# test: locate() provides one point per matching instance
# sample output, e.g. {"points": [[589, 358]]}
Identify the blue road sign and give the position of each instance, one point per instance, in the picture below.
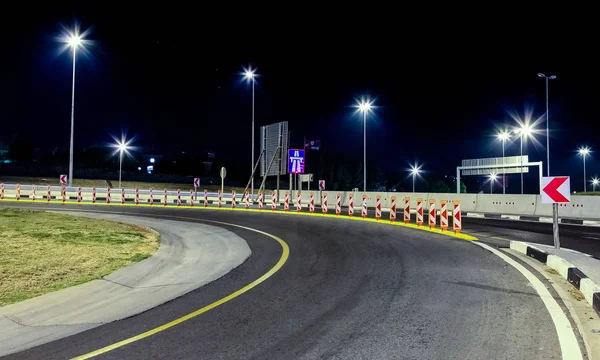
{"points": [[296, 161]]}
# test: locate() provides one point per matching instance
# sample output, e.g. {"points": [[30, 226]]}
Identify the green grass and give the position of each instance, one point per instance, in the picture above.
{"points": [[42, 252], [588, 193]]}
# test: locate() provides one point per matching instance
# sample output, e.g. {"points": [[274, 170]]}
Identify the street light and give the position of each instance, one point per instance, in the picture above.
{"points": [[525, 130], [122, 146], [365, 106], [595, 182], [493, 178], [74, 40], [250, 75], [551, 77], [503, 136], [415, 170], [584, 151]]}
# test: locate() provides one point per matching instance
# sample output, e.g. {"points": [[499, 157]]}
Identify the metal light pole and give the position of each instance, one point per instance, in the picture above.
{"points": [[524, 131], [492, 179], [365, 106], [74, 41], [414, 171], [551, 77], [584, 151], [521, 162], [594, 183], [120, 165], [250, 74], [122, 146], [503, 136]]}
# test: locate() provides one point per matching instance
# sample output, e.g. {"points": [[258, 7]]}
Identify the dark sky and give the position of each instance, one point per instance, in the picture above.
{"points": [[170, 78]]}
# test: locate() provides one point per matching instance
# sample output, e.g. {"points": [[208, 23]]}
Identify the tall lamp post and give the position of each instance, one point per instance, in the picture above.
{"points": [[584, 151], [365, 107], [415, 170], [524, 131], [122, 146], [250, 75], [493, 178], [551, 77], [503, 136], [74, 41], [594, 183]]}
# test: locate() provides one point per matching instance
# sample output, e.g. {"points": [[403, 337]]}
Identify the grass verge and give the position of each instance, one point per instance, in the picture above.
{"points": [[42, 252]]}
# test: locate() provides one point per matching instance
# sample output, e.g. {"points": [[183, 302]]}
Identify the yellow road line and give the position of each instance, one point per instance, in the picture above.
{"points": [[439, 231], [284, 256]]}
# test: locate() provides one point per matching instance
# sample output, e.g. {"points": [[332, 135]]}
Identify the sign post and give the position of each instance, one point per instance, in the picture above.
{"points": [[223, 174], [556, 190]]}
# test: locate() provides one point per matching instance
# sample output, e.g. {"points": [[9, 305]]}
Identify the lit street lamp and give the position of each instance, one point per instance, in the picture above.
{"points": [[551, 77], [493, 178], [365, 106], [503, 136], [122, 146], [594, 183], [584, 151], [415, 170], [74, 40], [524, 131], [250, 75]]}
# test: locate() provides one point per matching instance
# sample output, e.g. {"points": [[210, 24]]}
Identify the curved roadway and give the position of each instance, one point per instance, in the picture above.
{"points": [[349, 290]]}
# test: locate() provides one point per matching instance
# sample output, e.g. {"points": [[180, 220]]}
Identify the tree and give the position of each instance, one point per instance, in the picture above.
{"points": [[439, 186]]}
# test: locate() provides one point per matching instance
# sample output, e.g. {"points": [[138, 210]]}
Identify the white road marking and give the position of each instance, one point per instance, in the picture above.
{"points": [[566, 335]]}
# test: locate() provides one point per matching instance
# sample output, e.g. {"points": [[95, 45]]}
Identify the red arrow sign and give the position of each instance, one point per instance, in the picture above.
{"points": [[196, 182], [552, 189], [63, 179]]}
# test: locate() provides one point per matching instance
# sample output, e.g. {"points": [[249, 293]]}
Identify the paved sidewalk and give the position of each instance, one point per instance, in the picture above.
{"points": [[190, 256]]}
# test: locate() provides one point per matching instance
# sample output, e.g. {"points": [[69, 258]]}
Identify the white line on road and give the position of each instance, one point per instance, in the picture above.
{"points": [[566, 336]]}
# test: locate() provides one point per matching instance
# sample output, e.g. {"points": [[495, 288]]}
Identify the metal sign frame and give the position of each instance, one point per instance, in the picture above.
{"points": [[459, 168], [272, 138]]}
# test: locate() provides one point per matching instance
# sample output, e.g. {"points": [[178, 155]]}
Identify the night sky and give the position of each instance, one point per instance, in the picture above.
{"points": [[171, 79]]}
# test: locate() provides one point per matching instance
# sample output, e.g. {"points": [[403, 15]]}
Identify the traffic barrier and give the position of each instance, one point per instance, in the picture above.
{"points": [[137, 196], [456, 218], [338, 204], [378, 207], [444, 215], [431, 213], [233, 199], [286, 203], [247, 199], [18, 196], [79, 194], [220, 198], [108, 195], [49, 193], [260, 200], [33, 192], [393, 209], [2, 191], [93, 194], [312, 203], [351, 205], [364, 206], [274, 201], [122, 195], [205, 197], [191, 197], [419, 211], [299, 202], [407, 209], [151, 197], [324, 203], [178, 197], [165, 198], [63, 191]]}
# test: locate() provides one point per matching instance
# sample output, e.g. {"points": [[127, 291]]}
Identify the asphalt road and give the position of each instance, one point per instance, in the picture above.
{"points": [[349, 290]]}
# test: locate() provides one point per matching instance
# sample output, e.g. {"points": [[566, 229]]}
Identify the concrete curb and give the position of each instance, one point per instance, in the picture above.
{"points": [[532, 218], [571, 273]]}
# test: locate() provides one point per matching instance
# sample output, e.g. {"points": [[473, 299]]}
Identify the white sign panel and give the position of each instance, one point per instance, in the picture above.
{"points": [[63, 179], [270, 138], [322, 185], [556, 189]]}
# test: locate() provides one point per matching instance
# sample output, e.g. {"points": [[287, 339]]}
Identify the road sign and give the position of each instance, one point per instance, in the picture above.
{"points": [[196, 182], [507, 160], [296, 161], [322, 185], [271, 136], [223, 173], [556, 189], [63, 179]]}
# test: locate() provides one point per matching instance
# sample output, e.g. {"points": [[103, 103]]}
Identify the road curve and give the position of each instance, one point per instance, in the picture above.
{"points": [[348, 290]]}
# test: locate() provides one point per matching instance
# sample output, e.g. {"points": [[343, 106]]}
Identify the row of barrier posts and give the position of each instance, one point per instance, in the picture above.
{"points": [[443, 213]]}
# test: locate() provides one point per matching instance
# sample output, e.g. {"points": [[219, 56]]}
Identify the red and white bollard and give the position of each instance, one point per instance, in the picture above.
{"points": [[178, 197], [338, 204], [378, 207], [220, 197], [233, 199], [205, 197], [274, 201], [122, 195], [108, 195], [151, 197], [312, 203], [444, 215], [191, 197], [79, 194], [49, 193], [351, 205], [18, 196], [94, 195], [247, 199], [419, 211], [431, 213], [260, 200], [166, 201], [286, 202], [137, 196], [324, 203], [364, 206], [2, 191], [393, 209], [33, 192], [456, 218], [407, 209], [298, 202], [64, 193]]}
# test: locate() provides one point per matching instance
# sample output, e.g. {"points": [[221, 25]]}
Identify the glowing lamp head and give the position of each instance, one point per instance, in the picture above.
{"points": [[595, 181], [74, 40], [249, 74], [493, 177], [364, 106], [414, 170], [584, 150], [505, 135]]}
